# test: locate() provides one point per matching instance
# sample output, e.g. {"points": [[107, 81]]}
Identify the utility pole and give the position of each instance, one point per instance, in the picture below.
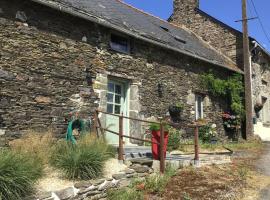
{"points": [[247, 69]]}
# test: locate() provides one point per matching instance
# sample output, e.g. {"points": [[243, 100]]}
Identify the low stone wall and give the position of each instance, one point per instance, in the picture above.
{"points": [[97, 189], [138, 169]]}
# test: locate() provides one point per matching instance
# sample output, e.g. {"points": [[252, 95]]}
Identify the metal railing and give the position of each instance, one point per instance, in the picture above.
{"points": [[121, 135]]}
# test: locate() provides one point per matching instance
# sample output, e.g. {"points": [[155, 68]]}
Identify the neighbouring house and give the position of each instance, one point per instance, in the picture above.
{"points": [[229, 41], [65, 56]]}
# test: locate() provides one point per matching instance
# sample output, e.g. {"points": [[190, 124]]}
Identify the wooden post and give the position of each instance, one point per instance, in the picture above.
{"points": [[121, 148], [95, 122], [161, 149], [247, 70], [196, 145]]}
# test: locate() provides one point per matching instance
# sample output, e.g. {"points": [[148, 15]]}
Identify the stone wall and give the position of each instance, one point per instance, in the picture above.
{"points": [[52, 64], [220, 36]]}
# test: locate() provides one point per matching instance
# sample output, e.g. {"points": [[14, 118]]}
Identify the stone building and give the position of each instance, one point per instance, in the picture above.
{"points": [[229, 41], [66, 56]]}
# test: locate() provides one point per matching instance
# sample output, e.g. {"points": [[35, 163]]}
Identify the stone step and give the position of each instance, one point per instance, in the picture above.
{"points": [[137, 149], [142, 161]]}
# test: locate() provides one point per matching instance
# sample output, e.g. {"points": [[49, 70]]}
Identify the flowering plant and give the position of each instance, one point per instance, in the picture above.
{"points": [[207, 132], [231, 121]]}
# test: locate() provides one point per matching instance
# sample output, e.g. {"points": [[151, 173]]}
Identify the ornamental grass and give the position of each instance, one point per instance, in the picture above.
{"points": [[18, 174]]}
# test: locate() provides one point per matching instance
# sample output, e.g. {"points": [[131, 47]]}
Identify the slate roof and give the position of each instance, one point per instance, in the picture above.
{"points": [[125, 18]]}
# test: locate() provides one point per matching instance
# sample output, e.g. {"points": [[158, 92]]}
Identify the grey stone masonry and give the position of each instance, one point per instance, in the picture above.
{"points": [[54, 64], [219, 35]]}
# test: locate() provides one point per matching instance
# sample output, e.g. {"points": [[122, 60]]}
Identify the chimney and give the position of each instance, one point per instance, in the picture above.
{"points": [[183, 10]]}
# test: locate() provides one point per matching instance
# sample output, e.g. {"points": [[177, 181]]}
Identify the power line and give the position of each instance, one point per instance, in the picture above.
{"points": [[249, 8], [260, 21]]}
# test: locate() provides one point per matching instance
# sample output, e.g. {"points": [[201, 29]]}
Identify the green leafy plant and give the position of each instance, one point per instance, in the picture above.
{"points": [[18, 174], [174, 139], [85, 160], [231, 88], [180, 105], [207, 132], [156, 127]]}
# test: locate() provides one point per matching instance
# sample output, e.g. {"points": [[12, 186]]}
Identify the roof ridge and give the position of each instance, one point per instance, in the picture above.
{"points": [[182, 27]]}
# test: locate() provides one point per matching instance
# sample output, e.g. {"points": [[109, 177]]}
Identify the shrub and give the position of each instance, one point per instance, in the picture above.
{"points": [[174, 139], [125, 194], [85, 160], [207, 132], [18, 173]]}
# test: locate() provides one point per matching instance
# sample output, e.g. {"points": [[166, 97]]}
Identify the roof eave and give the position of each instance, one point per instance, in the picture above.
{"points": [[98, 20]]}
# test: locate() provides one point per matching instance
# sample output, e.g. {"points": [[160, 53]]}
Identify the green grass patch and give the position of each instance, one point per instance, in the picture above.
{"points": [[125, 194], [18, 174]]}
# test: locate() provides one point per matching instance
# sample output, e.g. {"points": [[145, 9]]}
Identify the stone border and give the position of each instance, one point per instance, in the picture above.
{"points": [[97, 189]]}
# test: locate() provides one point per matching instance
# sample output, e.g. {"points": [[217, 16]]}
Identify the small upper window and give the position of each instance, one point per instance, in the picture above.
{"points": [[120, 43]]}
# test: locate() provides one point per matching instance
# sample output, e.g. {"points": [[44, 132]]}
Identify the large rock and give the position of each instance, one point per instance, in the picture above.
{"points": [[124, 183], [86, 190], [83, 184], [140, 168], [142, 161], [65, 193], [6, 75], [119, 176]]}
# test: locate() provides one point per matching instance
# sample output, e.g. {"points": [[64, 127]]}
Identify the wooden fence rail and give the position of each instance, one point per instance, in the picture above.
{"points": [[121, 135]]}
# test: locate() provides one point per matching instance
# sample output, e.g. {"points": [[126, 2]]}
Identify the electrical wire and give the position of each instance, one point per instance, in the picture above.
{"points": [[260, 21]]}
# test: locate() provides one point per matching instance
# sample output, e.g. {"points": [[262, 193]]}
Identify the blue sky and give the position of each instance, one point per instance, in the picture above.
{"points": [[227, 11]]}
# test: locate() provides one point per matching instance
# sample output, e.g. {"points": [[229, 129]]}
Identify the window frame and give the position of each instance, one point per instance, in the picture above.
{"points": [[123, 37], [114, 94], [197, 98]]}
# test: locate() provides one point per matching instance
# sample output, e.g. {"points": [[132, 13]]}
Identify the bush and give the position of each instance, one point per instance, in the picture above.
{"points": [[18, 173], [85, 160], [125, 194], [174, 139], [207, 132]]}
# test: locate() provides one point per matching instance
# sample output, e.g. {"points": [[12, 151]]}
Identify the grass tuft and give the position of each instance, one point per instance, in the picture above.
{"points": [[85, 160], [18, 173]]}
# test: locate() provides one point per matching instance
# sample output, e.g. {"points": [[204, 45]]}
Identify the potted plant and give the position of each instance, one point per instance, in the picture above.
{"points": [[258, 107], [175, 111], [232, 124], [155, 131]]}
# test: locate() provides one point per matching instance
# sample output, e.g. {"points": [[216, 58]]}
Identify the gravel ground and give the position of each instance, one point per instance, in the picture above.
{"points": [[263, 166]]}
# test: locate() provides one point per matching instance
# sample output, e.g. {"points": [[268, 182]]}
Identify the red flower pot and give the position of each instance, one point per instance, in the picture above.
{"points": [[155, 147]]}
